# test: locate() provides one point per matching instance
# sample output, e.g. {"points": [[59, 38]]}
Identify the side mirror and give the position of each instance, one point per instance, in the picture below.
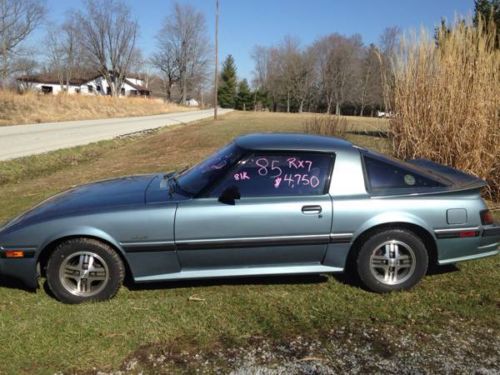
{"points": [[229, 195]]}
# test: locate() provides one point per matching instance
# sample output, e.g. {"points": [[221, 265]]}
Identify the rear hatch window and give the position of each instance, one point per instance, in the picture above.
{"points": [[385, 175]]}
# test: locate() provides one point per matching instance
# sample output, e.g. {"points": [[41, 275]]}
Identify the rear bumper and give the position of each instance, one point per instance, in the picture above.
{"points": [[492, 232], [470, 257], [485, 244]]}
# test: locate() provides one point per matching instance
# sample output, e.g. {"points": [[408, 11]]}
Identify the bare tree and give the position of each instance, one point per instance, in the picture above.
{"points": [[370, 84], [302, 67], [294, 70], [166, 63], [289, 66], [274, 76], [260, 56], [145, 70], [336, 73], [108, 35], [337, 58], [18, 19], [389, 41], [64, 51], [183, 49], [284, 71]]}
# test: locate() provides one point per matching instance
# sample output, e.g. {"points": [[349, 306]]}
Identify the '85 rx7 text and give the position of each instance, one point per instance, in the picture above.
{"points": [[266, 204]]}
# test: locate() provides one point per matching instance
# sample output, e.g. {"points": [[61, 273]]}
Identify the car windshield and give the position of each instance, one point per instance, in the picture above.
{"points": [[195, 179]]}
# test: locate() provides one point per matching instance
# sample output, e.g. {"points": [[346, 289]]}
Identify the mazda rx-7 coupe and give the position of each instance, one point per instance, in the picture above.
{"points": [[265, 204]]}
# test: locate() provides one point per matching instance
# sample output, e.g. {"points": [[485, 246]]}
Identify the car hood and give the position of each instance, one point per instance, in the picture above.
{"points": [[97, 196]]}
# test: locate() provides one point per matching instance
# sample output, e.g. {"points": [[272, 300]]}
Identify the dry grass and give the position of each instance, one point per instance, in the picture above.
{"points": [[31, 108], [330, 125], [447, 101]]}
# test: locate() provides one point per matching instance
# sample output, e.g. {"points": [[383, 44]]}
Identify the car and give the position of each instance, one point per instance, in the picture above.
{"points": [[265, 204]]}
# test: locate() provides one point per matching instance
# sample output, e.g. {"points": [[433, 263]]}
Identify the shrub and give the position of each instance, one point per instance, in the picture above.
{"points": [[447, 100], [330, 125]]}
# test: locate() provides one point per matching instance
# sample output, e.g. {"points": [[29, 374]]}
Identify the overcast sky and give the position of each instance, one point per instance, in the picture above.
{"points": [[245, 23]]}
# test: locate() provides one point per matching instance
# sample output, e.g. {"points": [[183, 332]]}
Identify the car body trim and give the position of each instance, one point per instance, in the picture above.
{"points": [[341, 237], [152, 246], [218, 243], [455, 232], [243, 271], [470, 257]]}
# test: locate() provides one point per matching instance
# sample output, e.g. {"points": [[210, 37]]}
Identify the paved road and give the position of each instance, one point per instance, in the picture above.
{"points": [[23, 140]]}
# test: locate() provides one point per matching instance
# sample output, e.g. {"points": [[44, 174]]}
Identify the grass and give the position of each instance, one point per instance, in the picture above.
{"points": [[32, 108], [38, 334]]}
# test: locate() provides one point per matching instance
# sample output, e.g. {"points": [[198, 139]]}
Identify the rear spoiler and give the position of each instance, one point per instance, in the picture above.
{"points": [[458, 180]]}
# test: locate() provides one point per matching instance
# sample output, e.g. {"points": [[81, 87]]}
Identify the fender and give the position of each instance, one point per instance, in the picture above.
{"points": [[83, 231], [390, 218]]}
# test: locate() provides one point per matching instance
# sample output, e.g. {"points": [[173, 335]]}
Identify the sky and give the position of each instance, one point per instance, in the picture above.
{"points": [[246, 23]]}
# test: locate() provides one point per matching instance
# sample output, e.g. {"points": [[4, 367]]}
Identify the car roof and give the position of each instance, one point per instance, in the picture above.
{"points": [[291, 142]]}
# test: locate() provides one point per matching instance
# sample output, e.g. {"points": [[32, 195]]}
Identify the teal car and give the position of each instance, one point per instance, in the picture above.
{"points": [[265, 204]]}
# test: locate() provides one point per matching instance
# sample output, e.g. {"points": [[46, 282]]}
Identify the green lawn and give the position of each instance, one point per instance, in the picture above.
{"points": [[40, 335]]}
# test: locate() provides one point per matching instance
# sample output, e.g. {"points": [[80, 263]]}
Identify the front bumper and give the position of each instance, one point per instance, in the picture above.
{"points": [[22, 269]]}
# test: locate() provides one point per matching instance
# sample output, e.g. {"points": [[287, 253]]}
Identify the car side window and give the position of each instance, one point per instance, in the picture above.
{"points": [[278, 174], [382, 175]]}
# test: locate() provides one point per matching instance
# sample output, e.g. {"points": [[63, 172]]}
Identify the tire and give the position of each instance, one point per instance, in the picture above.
{"points": [[84, 269], [392, 260]]}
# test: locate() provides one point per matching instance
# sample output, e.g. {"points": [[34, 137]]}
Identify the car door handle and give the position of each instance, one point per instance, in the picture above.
{"points": [[311, 209]]}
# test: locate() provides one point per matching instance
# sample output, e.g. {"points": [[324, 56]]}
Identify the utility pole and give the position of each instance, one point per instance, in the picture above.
{"points": [[216, 78]]}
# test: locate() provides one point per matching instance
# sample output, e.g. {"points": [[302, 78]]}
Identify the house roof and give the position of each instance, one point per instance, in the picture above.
{"points": [[50, 78], [53, 79], [137, 87]]}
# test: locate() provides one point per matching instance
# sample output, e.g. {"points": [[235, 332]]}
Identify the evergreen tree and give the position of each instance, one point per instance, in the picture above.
{"points": [[262, 100], [244, 99], [227, 90]]}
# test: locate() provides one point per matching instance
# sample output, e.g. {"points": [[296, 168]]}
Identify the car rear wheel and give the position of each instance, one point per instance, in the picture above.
{"points": [[83, 270], [392, 260]]}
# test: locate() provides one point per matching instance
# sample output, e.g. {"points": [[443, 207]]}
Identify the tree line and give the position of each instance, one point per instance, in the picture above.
{"points": [[335, 74]]}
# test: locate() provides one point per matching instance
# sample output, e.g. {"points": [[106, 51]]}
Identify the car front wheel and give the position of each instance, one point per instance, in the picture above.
{"points": [[83, 270], [392, 260]]}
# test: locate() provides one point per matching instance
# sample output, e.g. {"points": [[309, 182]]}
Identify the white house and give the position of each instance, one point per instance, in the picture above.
{"points": [[93, 85], [192, 102]]}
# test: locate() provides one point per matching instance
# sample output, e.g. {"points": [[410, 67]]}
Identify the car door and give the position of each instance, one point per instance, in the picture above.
{"points": [[283, 215]]}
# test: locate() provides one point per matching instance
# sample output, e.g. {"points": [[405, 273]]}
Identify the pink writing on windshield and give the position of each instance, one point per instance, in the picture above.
{"points": [[241, 176], [298, 164], [277, 182]]}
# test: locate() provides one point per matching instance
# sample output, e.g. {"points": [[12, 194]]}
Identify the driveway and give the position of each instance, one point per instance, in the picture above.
{"points": [[24, 140]]}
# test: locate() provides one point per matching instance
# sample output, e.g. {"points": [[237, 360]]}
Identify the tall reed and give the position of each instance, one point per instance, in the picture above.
{"points": [[447, 100]]}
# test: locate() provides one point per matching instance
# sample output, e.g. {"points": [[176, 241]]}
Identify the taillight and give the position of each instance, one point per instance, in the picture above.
{"points": [[486, 217]]}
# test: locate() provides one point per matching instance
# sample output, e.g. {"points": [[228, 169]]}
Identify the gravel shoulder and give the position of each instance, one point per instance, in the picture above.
{"points": [[356, 349]]}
